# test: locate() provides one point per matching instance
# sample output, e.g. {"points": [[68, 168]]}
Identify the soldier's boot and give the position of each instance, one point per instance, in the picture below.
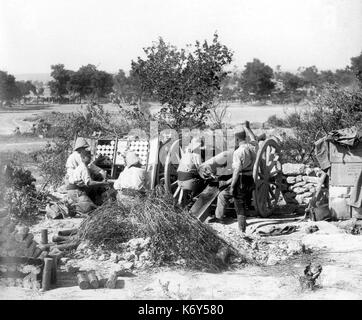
{"points": [[242, 222]]}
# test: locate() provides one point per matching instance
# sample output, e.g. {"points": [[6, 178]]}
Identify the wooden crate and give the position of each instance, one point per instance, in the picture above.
{"points": [[346, 167]]}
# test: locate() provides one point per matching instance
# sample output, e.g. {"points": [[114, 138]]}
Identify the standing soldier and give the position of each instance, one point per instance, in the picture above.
{"points": [[242, 182]]}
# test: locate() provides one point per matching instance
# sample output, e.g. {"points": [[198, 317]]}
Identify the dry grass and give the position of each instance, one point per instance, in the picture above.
{"points": [[175, 234]]}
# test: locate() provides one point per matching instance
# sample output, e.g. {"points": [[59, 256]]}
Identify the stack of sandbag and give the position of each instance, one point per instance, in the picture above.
{"points": [[300, 183]]}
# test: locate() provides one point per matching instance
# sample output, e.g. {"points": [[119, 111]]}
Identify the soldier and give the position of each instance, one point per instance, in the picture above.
{"points": [[74, 160], [242, 182]]}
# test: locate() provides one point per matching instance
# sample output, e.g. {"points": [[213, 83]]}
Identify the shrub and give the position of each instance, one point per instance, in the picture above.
{"points": [[275, 121], [335, 108], [18, 193]]}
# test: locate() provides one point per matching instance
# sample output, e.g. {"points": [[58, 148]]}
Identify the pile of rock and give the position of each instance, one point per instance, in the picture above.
{"points": [[22, 275], [300, 183], [17, 241], [133, 254], [20, 255]]}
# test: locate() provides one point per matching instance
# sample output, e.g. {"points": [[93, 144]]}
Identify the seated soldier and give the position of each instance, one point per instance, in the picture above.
{"points": [[81, 184], [187, 171], [132, 180], [74, 160]]}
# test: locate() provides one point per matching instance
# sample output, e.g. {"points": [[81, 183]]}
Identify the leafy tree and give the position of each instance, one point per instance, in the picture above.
{"points": [[185, 83], [310, 76], [257, 79], [90, 82], [24, 88], [127, 89], [356, 67], [58, 86], [344, 77], [291, 81], [8, 89], [40, 90]]}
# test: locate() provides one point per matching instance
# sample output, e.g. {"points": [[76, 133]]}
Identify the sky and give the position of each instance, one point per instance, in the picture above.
{"points": [[35, 34]]}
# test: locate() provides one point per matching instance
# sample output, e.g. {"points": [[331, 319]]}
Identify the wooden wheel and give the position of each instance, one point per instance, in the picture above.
{"points": [[171, 164], [267, 177]]}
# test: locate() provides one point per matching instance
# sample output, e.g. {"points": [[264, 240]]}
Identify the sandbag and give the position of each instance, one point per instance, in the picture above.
{"points": [[84, 204], [56, 210]]}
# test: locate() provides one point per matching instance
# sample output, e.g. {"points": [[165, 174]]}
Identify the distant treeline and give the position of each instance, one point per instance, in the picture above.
{"points": [[256, 81]]}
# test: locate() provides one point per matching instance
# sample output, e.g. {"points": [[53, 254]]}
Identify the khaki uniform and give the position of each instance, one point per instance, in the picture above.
{"points": [[243, 158], [187, 175], [131, 182]]}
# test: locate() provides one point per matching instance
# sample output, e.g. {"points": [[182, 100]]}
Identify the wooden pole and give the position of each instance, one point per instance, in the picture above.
{"points": [[82, 281], [44, 236], [43, 255], [67, 246], [47, 271], [28, 240], [68, 232], [111, 282], [55, 267], [37, 252], [46, 247], [31, 249], [61, 238], [93, 280]]}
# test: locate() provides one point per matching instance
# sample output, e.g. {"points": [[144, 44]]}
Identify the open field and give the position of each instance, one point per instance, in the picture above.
{"points": [[237, 112]]}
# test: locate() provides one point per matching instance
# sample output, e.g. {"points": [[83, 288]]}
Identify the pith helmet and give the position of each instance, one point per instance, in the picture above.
{"points": [[131, 159], [81, 143]]}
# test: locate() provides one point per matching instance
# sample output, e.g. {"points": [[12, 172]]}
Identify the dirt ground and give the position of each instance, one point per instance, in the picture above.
{"points": [[339, 253]]}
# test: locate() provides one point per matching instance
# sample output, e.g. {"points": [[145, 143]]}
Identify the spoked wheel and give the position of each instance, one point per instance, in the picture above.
{"points": [[171, 164], [267, 177]]}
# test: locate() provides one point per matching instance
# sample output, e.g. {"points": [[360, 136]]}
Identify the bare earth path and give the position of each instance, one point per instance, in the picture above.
{"points": [[340, 255]]}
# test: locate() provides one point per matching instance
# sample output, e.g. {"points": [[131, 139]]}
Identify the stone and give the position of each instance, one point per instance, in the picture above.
{"points": [[144, 256], [145, 243], [291, 180], [83, 245], [293, 169], [307, 194], [64, 260], [299, 184], [289, 195], [126, 265], [114, 257], [299, 190], [102, 257], [136, 243], [309, 185], [312, 189], [129, 256], [299, 198], [55, 251], [312, 179], [307, 200]]}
